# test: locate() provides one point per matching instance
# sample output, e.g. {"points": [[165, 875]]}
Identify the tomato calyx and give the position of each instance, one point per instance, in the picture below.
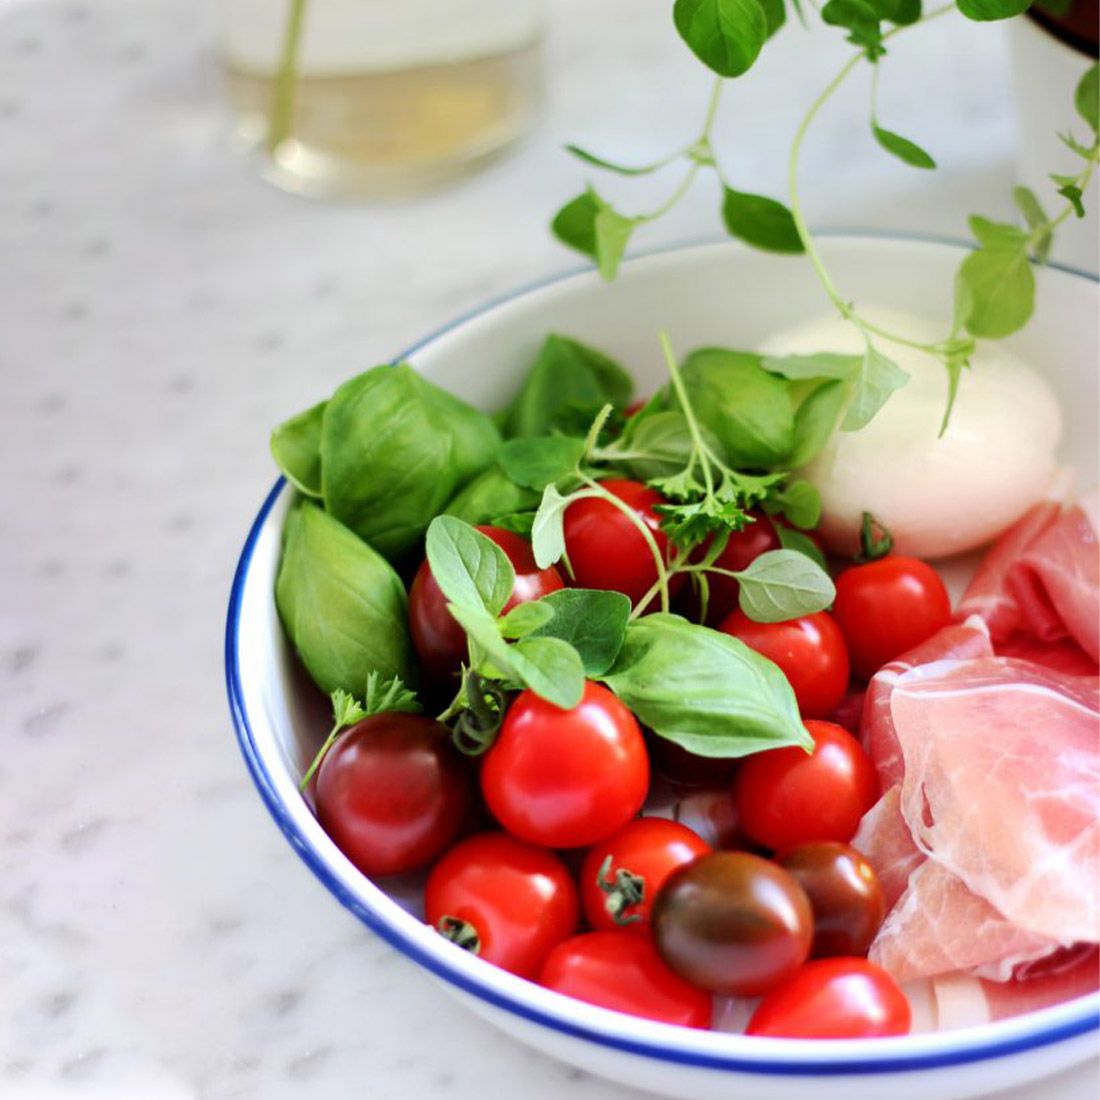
{"points": [[478, 712], [459, 932], [623, 889], [875, 540]]}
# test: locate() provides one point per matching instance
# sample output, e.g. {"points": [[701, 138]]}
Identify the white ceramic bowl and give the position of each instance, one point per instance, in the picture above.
{"points": [[708, 294]]}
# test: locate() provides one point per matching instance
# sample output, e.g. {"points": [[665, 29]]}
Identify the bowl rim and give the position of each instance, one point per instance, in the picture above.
{"points": [[682, 1046]]}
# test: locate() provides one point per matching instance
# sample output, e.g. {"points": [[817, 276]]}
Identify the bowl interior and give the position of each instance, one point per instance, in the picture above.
{"points": [[710, 294]]}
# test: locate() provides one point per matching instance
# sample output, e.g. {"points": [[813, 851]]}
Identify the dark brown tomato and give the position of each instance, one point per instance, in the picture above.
{"points": [[439, 641], [686, 769], [844, 894], [393, 793], [733, 923]]}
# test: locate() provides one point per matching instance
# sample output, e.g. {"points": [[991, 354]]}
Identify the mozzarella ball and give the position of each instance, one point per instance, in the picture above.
{"points": [[938, 496]]}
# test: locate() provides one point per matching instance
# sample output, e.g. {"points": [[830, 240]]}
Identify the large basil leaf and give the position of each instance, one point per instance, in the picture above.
{"points": [[296, 448], [341, 603], [704, 690], [747, 409], [394, 450], [567, 385], [489, 496]]}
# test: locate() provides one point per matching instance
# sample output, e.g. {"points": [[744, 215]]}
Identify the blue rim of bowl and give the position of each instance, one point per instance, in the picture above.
{"points": [[1087, 1021]]}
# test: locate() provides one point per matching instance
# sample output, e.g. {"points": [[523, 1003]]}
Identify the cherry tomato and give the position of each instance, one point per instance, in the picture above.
{"points": [[439, 641], [623, 972], [743, 548], [566, 778], [732, 923], [621, 875], [810, 652], [833, 999], [887, 607], [686, 769], [393, 793], [844, 894], [517, 900], [605, 547], [786, 797]]}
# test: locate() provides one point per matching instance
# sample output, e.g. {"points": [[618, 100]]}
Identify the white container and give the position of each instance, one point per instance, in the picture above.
{"points": [[711, 294], [1045, 74]]}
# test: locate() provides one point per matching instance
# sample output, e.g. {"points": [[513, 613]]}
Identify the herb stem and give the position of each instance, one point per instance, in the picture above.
{"points": [[316, 762], [712, 108], [700, 450], [286, 78], [1082, 182]]}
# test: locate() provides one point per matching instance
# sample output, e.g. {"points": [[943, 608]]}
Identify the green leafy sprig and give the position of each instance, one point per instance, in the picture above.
{"points": [[994, 286]]}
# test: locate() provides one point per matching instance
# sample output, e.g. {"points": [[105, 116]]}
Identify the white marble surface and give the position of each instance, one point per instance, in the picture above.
{"points": [[160, 308]]}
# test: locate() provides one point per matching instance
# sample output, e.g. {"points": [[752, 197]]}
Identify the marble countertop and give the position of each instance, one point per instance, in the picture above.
{"points": [[160, 309]]}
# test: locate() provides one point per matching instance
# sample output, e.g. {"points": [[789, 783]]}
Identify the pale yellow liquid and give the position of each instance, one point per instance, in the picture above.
{"points": [[364, 134]]}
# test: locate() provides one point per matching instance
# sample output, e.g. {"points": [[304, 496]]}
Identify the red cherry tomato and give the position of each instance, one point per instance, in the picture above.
{"points": [[566, 778], [621, 875], [833, 999], [623, 972], [743, 548], [606, 549], [393, 793], [439, 641], [887, 607], [810, 652], [786, 797], [517, 900]]}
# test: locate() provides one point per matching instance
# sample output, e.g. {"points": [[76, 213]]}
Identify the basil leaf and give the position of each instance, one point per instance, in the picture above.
{"points": [[800, 503], [775, 14], [861, 21], [341, 604], [1028, 205], [593, 622], [824, 364], [704, 690], [659, 447], [548, 666], [783, 584], [814, 421], [744, 407], [525, 618], [394, 450], [536, 461], [575, 224], [547, 530], [902, 147], [519, 523], [489, 496], [985, 11], [790, 539], [1087, 96], [726, 35], [612, 235], [902, 13], [992, 234], [468, 566], [296, 448], [879, 376], [567, 385], [760, 221], [998, 287]]}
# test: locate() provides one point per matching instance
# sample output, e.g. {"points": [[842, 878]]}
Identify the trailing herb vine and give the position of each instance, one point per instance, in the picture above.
{"points": [[994, 285]]}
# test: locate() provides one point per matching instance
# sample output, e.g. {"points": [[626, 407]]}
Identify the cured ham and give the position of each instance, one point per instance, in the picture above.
{"points": [[994, 827], [1042, 579]]}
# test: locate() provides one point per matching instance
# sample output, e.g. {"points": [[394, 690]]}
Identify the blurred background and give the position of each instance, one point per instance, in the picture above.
{"points": [[167, 294]]}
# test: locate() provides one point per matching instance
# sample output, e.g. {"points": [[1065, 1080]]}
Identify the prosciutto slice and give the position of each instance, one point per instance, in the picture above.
{"points": [[1042, 578], [1000, 798]]}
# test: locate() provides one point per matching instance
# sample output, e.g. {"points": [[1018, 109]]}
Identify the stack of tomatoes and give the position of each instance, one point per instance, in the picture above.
{"points": [[570, 887]]}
